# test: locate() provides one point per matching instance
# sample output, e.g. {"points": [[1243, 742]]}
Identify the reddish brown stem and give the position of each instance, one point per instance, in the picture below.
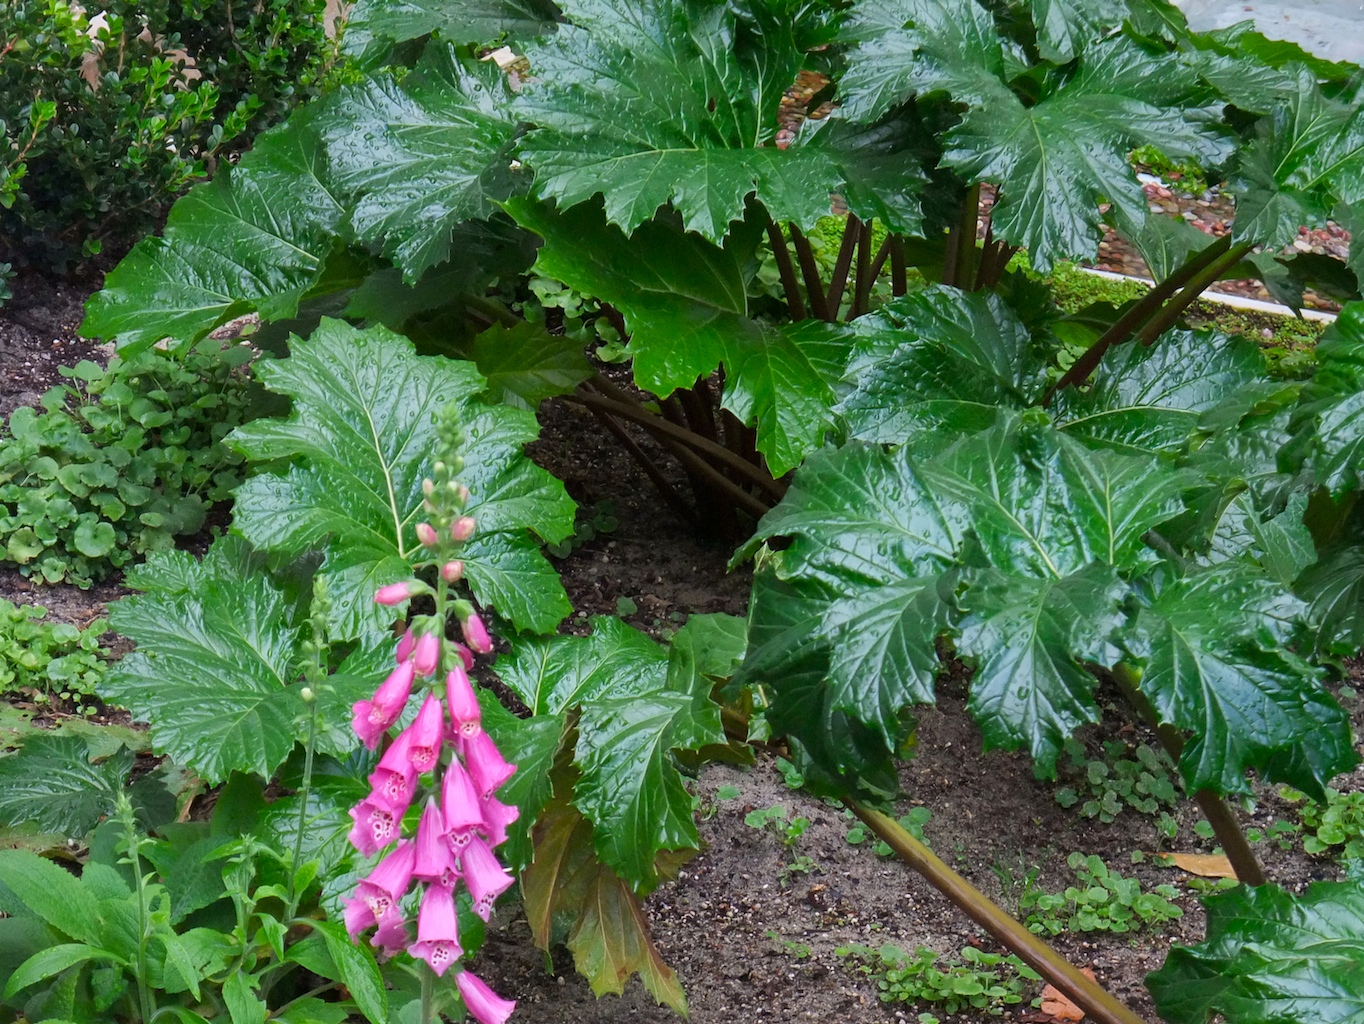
{"points": [[795, 302], [809, 270]]}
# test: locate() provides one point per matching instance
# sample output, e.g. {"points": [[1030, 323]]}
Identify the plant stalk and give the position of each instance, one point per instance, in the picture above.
{"points": [[899, 277], [809, 270], [428, 976], [1164, 320], [739, 497], [862, 288], [661, 427], [795, 302], [1138, 314], [1214, 807], [852, 231], [304, 792], [1098, 1004], [661, 483]]}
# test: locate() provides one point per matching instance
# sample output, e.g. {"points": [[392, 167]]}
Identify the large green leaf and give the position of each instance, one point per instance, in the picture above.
{"points": [[1330, 422], [938, 359], [375, 25], [1214, 665], [1307, 156], [684, 302], [52, 782], [655, 101], [212, 672], [1027, 637], [532, 745], [525, 364], [1271, 957], [1054, 157], [360, 437], [1151, 399], [1041, 504], [420, 156], [1334, 588], [255, 238]]}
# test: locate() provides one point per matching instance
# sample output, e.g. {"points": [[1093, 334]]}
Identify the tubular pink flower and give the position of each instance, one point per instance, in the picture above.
{"points": [[368, 731], [391, 938], [405, 646], [394, 593], [426, 731], [395, 779], [357, 916], [452, 572], [391, 697], [463, 528], [483, 1004], [437, 930], [465, 715], [486, 765], [426, 533], [375, 827], [496, 817], [465, 657], [485, 876], [460, 808], [427, 654], [475, 635], [434, 856], [384, 887]]}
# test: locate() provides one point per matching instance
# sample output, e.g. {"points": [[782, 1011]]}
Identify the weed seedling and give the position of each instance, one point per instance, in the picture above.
{"points": [[1101, 900], [1103, 787], [1335, 828], [974, 980]]}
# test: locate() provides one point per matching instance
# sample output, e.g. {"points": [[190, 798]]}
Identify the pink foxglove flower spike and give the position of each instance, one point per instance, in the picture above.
{"points": [[450, 764]]}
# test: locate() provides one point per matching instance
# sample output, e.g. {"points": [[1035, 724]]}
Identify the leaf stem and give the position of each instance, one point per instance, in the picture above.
{"points": [[1139, 313], [304, 793], [661, 483], [862, 291], [794, 300], [852, 231], [1214, 807], [1086, 994], [899, 277], [1165, 319], [809, 270]]}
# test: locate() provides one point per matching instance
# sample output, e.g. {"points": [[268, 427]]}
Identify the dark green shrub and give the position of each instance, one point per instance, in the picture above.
{"points": [[105, 119]]}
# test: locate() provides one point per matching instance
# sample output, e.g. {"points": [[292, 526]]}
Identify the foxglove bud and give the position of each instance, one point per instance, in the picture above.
{"points": [[452, 572], [463, 528], [476, 635], [397, 593], [405, 646], [426, 654], [426, 533]]}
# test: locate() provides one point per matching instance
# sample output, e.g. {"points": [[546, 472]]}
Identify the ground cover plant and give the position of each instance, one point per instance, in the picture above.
{"points": [[889, 435]]}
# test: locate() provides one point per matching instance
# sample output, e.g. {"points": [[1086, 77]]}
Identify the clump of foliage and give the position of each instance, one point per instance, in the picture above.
{"points": [[1102, 787], [973, 980], [1101, 901], [108, 117], [1334, 827], [121, 460], [54, 660]]}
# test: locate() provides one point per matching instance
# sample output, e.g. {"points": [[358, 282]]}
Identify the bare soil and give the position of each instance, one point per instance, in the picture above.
{"points": [[752, 935]]}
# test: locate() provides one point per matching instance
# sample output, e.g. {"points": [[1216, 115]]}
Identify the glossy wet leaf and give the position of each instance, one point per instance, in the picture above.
{"points": [[1271, 956], [1334, 590], [1028, 638], [351, 457], [255, 238], [685, 305], [1330, 420], [375, 25], [1216, 666], [1147, 400], [552, 674], [417, 158], [938, 359], [1042, 504], [525, 364], [670, 101], [1307, 156], [53, 782]]}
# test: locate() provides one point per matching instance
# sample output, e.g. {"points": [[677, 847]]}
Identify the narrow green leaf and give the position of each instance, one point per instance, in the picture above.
{"points": [[53, 894], [50, 961], [359, 972], [526, 364]]}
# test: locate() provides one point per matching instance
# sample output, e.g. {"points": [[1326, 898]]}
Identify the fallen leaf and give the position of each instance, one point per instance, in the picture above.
{"points": [[1209, 865], [1056, 1006]]}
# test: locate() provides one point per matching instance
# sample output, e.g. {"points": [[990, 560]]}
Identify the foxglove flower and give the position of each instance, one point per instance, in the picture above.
{"points": [[460, 807], [426, 733], [434, 856], [483, 1004], [396, 593], [372, 718], [378, 894], [405, 646], [496, 817], [395, 780], [485, 876], [391, 937], [476, 635], [427, 654], [375, 827], [486, 765], [437, 930], [466, 658], [465, 715]]}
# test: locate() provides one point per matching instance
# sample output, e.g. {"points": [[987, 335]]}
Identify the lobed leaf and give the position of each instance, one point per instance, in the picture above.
{"points": [[359, 438], [53, 782], [374, 26]]}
